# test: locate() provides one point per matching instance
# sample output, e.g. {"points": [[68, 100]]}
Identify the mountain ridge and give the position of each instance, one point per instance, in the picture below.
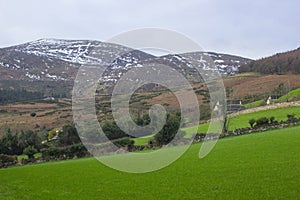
{"points": [[58, 59]]}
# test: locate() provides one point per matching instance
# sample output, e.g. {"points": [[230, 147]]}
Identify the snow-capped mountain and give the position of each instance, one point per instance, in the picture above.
{"points": [[54, 59]]}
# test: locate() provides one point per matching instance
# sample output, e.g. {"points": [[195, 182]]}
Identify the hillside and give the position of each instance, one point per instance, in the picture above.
{"points": [[59, 60], [261, 86], [280, 63]]}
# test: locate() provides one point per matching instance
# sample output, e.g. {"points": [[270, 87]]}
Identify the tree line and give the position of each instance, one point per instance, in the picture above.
{"points": [[281, 63], [68, 143]]}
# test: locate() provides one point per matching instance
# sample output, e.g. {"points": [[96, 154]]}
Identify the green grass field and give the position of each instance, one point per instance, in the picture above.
{"points": [[257, 166], [292, 95], [254, 104], [142, 140], [242, 121], [289, 96]]}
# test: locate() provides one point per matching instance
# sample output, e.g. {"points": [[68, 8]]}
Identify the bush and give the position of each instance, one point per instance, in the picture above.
{"points": [[51, 153], [291, 118], [252, 122], [33, 114], [272, 120], [169, 130], [77, 150], [113, 131], [124, 142], [9, 144], [69, 152], [68, 136], [30, 151], [262, 121], [6, 160]]}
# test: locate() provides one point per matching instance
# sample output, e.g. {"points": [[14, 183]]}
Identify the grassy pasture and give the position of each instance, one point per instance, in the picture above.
{"points": [[256, 166], [254, 104], [242, 121], [289, 96]]}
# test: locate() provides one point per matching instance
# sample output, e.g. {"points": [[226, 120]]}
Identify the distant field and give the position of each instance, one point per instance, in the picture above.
{"points": [[257, 166], [142, 140], [49, 115], [279, 114], [290, 96], [254, 104], [248, 74], [252, 84], [242, 121]]}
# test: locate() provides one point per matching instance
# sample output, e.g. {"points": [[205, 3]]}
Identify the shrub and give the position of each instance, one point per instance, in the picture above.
{"points": [[272, 120], [30, 151], [124, 142], [252, 122], [51, 153], [68, 136], [9, 144], [51, 134], [77, 150], [113, 131], [262, 121], [291, 118], [59, 153], [33, 114], [6, 160], [169, 130]]}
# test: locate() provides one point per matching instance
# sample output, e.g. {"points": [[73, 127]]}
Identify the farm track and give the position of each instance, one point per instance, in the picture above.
{"points": [[268, 107]]}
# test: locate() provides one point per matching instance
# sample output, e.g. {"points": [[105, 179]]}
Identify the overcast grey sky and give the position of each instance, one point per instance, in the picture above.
{"points": [[249, 28]]}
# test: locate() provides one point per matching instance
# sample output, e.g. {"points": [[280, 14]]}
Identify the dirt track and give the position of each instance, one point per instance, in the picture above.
{"points": [[268, 107]]}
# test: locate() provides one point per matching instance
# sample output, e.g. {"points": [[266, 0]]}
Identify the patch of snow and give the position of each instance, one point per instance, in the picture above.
{"points": [[219, 61], [177, 57], [32, 76], [51, 76]]}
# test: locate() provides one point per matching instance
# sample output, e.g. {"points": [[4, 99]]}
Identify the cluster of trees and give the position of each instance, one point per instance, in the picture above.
{"points": [[30, 143], [170, 129], [283, 63], [113, 131], [15, 144], [67, 143], [9, 95], [68, 136]]}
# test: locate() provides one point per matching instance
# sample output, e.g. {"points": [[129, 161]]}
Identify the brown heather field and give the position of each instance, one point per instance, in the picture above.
{"points": [[251, 85], [53, 115], [49, 115]]}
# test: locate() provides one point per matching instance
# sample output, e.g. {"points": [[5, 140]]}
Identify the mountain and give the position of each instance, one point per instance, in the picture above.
{"points": [[54, 59], [281, 63]]}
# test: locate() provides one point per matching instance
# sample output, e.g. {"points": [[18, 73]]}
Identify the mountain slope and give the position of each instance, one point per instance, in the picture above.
{"points": [[281, 63], [54, 59]]}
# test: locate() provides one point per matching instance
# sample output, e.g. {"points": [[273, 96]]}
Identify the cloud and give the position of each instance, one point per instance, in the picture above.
{"points": [[249, 28]]}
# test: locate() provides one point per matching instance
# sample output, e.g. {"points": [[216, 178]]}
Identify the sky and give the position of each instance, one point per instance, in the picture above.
{"points": [[253, 29]]}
